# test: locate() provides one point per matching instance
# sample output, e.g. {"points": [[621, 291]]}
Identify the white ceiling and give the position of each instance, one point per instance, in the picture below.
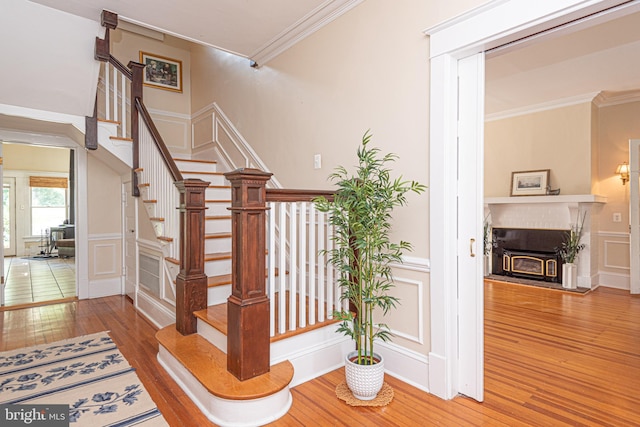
{"points": [[255, 29], [556, 69], [60, 34]]}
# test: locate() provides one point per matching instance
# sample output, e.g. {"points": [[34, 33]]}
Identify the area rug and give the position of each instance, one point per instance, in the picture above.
{"points": [[87, 373]]}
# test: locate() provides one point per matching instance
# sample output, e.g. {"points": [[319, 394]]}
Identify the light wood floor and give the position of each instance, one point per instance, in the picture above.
{"points": [[551, 359], [37, 280]]}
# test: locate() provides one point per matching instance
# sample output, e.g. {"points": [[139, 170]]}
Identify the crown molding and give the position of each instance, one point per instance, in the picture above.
{"points": [[307, 25], [607, 99], [544, 106]]}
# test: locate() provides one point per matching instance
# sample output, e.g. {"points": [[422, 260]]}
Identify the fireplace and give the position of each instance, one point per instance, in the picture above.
{"points": [[527, 253]]}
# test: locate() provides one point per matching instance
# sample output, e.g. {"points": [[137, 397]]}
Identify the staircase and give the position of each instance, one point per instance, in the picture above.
{"points": [[281, 331]]}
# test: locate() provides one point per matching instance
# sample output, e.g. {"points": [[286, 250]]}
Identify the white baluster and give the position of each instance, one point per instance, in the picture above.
{"points": [[302, 260]]}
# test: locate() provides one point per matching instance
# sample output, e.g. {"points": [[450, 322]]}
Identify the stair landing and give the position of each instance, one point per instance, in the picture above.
{"points": [[201, 370]]}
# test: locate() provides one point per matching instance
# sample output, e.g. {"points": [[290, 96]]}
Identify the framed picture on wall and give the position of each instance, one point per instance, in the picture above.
{"points": [[529, 183], [161, 72]]}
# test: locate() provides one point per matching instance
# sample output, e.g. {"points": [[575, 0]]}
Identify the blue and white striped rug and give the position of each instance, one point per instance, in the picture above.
{"points": [[87, 373]]}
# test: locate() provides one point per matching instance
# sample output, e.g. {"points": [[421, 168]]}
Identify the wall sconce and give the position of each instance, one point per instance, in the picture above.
{"points": [[623, 171]]}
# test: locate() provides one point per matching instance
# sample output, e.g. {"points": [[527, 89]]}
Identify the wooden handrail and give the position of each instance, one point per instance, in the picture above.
{"points": [[164, 151], [120, 67], [295, 195]]}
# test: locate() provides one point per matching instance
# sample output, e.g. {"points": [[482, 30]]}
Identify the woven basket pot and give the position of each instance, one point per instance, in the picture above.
{"points": [[364, 381]]}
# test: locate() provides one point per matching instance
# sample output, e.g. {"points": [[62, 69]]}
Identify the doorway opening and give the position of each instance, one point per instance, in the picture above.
{"points": [[38, 224]]}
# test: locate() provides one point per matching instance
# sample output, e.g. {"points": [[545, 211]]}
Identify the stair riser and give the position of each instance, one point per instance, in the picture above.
{"points": [[218, 193], [217, 226], [218, 267], [212, 335], [217, 209], [206, 177], [212, 246], [218, 294], [196, 166]]}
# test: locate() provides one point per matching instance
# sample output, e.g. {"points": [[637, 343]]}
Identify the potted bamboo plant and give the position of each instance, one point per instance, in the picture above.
{"points": [[568, 252], [362, 253]]}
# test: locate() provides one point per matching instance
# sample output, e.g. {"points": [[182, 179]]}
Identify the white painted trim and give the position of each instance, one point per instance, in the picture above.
{"points": [[224, 412], [172, 114], [443, 225], [307, 25], [419, 284], [105, 236], [504, 21], [110, 271], [606, 245], [406, 365], [161, 317], [494, 24], [106, 287], [313, 353], [81, 227], [614, 280], [545, 106], [151, 245], [47, 116], [608, 99], [422, 265]]}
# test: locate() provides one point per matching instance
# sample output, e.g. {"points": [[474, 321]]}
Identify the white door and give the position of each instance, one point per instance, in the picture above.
{"points": [[470, 227], [130, 247], [9, 216], [634, 214]]}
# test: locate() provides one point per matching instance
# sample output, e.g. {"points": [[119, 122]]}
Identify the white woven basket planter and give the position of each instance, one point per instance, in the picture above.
{"points": [[364, 381]]}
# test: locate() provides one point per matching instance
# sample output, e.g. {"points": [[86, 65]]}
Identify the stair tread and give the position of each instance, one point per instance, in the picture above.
{"points": [[216, 317], [213, 162], [217, 256], [221, 280], [217, 217], [108, 121], [225, 279], [219, 235], [202, 172], [121, 138], [208, 365]]}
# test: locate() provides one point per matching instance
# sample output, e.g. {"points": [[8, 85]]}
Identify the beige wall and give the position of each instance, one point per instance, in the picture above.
{"points": [[587, 163], [35, 158], [171, 111], [369, 69], [104, 221], [617, 124], [558, 139]]}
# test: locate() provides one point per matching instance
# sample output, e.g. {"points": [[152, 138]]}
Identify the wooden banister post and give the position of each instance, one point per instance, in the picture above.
{"points": [[136, 92], [191, 283], [248, 342]]}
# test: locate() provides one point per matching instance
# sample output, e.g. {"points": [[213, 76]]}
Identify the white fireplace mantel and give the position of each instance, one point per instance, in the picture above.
{"points": [[569, 198], [541, 212], [552, 213]]}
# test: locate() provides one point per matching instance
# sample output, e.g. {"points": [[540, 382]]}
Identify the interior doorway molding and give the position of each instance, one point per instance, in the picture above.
{"points": [[497, 23], [81, 214]]}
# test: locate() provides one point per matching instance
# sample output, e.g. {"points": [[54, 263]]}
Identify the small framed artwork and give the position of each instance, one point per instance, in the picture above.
{"points": [[161, 72], [529, 183]]}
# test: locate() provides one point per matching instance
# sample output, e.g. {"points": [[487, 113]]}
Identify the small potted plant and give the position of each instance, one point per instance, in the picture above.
{"points": [[362, 253], [487, 245], [568, 252]]}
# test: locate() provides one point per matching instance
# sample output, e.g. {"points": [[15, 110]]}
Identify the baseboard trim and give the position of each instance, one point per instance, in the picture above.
{"points": [[406, 365], [106, 287]]}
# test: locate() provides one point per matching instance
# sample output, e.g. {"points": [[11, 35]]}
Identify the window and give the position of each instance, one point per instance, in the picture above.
{"points": [[48, 203]]}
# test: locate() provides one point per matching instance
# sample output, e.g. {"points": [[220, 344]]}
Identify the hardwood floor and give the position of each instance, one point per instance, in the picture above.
{"points": [[551, 358]]}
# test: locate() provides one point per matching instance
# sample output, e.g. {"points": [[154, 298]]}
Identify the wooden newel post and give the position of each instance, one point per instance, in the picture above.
{"points": [[191, 283], [136, 92], [248, 306]]}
